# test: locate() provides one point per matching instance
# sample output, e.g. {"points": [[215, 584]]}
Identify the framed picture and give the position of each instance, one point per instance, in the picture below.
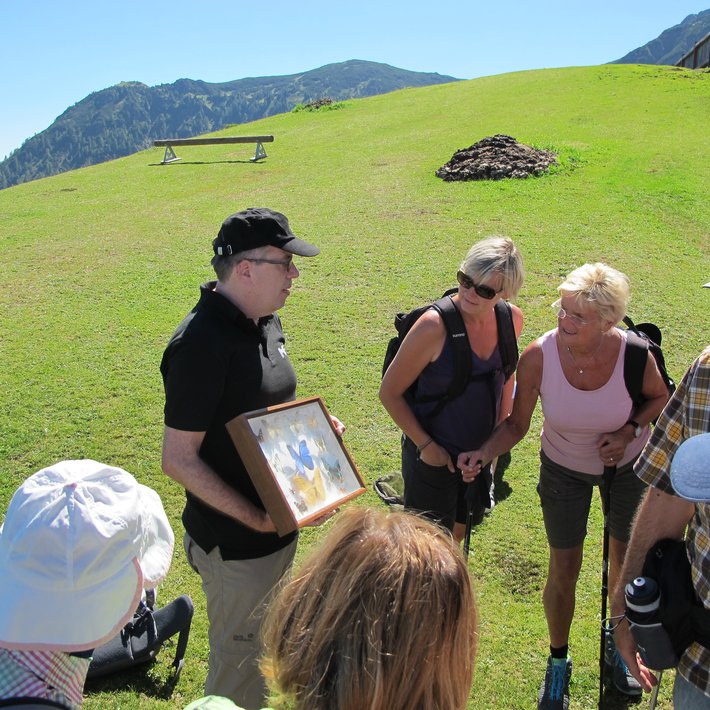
{"points": [[298, 464]]}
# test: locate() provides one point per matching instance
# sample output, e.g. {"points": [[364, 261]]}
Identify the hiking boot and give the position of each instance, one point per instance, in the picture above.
{"points": [[554, 691], [623, 681]]}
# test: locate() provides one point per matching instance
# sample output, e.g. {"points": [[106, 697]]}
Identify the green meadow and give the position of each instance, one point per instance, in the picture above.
{"points": [[100, 264]]}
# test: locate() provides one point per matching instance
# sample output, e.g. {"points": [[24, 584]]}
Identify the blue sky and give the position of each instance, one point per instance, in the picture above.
{"points": [[53, 54]]}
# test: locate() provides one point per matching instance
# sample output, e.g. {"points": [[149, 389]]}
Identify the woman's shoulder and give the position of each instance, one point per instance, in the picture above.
{"points": [[517, 319], [532, 356], [429, 323], [533, 352], [542, 342]]}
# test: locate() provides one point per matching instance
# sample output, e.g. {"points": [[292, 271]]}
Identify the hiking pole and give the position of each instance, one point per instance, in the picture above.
{"points": [[607, 477], [473, 492], [654, 692]]}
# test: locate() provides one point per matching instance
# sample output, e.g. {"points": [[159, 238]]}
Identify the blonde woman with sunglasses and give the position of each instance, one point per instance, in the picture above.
{"points": [[434, 434]]}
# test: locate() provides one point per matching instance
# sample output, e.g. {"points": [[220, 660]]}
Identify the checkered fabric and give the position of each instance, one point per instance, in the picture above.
{"points": [[51, 675], [686, 414]]}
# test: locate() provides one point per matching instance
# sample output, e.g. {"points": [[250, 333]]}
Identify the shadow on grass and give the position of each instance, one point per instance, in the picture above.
{"points": [[612, 699], [144, 679], [248, 161], [503, 488]]}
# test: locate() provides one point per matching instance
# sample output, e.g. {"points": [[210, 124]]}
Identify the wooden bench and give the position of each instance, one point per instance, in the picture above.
{"points": [[169, 143]]}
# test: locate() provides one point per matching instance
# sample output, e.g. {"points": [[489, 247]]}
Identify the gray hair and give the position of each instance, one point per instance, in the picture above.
{"points": [[496, 255]]}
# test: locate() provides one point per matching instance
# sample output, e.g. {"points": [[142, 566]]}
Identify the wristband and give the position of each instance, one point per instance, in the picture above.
{"points": [[424, 445]]}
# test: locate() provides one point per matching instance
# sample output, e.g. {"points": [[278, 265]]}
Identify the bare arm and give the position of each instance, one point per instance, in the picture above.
{"points": [[514, 428], [506, 402], [182, 463], [422, 345], [660, 515]]}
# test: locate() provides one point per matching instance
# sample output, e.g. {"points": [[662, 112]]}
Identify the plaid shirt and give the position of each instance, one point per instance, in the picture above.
{"points": [[51, 675], [686, 414]]}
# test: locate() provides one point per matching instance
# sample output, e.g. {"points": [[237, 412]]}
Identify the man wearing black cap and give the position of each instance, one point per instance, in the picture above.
{"points": [[227, 357]]}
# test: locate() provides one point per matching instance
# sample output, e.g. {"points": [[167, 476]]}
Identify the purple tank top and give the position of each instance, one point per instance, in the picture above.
{"points": [[465, 422]]}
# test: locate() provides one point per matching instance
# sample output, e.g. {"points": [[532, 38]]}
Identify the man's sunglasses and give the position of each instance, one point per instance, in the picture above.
{"points": [[481, 289]]}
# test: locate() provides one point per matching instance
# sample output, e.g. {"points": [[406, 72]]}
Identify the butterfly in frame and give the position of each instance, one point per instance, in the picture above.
{"points": [[302, 458]]}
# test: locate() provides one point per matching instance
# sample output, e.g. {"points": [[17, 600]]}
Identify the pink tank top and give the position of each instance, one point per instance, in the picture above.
{"points": [[574, 419]]}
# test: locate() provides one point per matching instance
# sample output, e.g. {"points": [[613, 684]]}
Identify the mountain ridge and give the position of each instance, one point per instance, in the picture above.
{"points": [[670, 46], [126, 117]]}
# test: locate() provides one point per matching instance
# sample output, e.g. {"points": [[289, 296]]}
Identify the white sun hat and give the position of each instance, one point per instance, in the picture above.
{"points": [[690, 469], [80, 541]]}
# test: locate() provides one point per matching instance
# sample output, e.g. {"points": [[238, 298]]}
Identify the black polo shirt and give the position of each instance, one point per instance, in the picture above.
{"points": [[217, 365]]}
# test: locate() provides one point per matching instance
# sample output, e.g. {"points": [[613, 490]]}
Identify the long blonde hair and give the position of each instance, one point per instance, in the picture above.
{"points": [[381, 616]]}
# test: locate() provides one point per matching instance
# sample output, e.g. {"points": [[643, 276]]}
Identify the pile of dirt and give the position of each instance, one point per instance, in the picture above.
{"points": [[318, 103], [495, 158]]}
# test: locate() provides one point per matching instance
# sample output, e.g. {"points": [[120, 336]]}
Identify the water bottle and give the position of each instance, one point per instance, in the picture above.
{"points": [[643, 612]]}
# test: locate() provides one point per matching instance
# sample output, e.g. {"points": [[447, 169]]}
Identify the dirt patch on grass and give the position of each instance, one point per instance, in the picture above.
{"points": [[495, 158]]}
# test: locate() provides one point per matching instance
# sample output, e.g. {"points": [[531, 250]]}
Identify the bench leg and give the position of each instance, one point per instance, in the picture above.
{"points": [[169, 156], [260, 152]]}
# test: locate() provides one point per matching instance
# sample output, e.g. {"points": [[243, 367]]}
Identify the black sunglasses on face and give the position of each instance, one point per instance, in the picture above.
{"points": [[481, 290]]}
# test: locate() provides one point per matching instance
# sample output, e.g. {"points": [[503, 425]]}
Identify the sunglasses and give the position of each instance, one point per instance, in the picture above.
{"points": [[481, 290]]}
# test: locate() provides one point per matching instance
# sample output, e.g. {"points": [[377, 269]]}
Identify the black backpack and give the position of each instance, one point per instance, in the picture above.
{"points": [[456, 332], [639, 340], [141, 638], [681, 613]]}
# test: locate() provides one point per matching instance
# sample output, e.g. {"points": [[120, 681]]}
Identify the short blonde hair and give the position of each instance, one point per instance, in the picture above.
{"points": [[496, 255], [600, 286], [381, 615]]}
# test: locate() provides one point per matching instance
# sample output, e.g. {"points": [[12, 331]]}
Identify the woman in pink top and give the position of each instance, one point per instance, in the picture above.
{"points": [[577, 371]]}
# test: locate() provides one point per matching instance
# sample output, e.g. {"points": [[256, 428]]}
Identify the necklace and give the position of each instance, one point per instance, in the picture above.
{"points": [[591, 357]]}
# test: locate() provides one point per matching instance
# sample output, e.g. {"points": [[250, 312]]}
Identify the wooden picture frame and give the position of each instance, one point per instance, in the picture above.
{"points": [[296, 460]]}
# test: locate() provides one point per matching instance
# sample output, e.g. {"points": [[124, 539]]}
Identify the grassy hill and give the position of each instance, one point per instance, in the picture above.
{"points": [[100, 264]]}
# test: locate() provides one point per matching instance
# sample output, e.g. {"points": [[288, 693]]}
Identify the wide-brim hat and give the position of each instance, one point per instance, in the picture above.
{"points": [[259, 227], [79, 543], [690, 469]]}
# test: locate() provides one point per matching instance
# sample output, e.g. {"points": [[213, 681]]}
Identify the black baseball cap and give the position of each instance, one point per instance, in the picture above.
{"points": [[259, 227]]}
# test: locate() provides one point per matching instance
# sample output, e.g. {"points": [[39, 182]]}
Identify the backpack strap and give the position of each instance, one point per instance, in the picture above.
{"points": [[507, 340], [174, 618], [456, 332], [635, 358]]}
